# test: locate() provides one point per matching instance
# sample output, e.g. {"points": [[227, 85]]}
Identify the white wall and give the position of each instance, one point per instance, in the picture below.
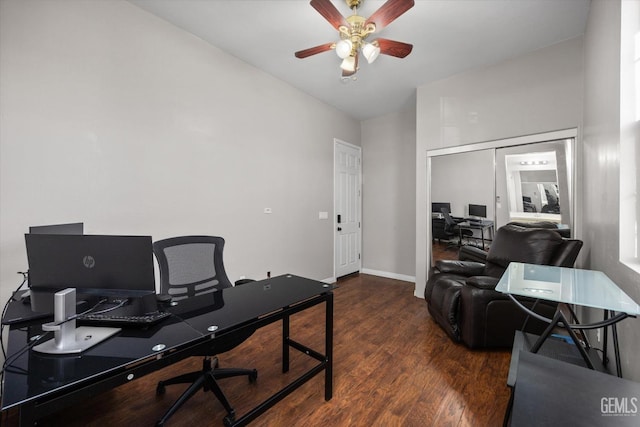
{"points": [[463, 178], [388, 154], [601, 165], [114, 117], [534, 93]]}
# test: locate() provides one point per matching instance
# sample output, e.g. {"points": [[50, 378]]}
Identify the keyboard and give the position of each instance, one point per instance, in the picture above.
{"points": [[474, 221], [123, 321]]}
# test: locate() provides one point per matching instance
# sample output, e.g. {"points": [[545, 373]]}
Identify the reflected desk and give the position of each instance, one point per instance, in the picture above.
{"points": [[40, 384], [570, 286], [479, 225]]}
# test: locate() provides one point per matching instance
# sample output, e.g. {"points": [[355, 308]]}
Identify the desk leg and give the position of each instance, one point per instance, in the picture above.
{"points": [[328, 371], [557, 319], [26, 416], [616, 346], [285, 343]]}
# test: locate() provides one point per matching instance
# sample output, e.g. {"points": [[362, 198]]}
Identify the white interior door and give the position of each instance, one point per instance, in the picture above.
{"points": [[347, 214]]}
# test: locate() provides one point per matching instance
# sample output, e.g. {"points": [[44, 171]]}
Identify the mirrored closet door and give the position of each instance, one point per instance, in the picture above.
{"points": [[524, 179]]}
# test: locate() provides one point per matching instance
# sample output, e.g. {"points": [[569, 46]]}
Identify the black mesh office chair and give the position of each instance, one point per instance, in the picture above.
{"points": [[192, 266], [451, 229]]}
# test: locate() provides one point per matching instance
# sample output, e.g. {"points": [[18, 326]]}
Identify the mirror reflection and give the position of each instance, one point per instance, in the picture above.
{"points": [[533, 184], [462, 184], [528, 183]]}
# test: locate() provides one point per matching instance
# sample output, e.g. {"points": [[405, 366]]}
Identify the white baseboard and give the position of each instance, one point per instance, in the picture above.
{"points": [[330, 280], [388, 275]]}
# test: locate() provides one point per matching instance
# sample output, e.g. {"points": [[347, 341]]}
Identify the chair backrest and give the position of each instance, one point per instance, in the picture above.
{"points": [[567, 253], [564, 232], [448, 221], [190, 265], [529, 245]]}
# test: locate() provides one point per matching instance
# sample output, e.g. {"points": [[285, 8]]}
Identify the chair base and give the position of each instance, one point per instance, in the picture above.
{"points": [[205, 379]]}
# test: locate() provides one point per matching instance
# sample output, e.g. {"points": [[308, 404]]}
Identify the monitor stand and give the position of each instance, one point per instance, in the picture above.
{"points": [[69, 339]]}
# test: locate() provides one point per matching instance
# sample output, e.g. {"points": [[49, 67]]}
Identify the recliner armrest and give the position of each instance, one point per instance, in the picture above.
{"points": [[482, 282], [464, 268], [471, 253]]}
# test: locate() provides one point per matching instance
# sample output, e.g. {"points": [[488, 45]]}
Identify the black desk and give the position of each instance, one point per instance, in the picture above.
{"points": [[480, 225], [438, 226], [553, 393], [40, 384], [437, 229]]}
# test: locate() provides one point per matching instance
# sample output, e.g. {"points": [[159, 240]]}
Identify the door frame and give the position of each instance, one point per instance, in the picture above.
{"points": [[336, 143]]}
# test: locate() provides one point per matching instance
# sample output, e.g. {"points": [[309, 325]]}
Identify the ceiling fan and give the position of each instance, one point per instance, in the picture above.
{"points": [[354, 31]]}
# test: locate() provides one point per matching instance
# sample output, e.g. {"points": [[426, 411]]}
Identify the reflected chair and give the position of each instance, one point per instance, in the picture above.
{"points": [[191, 266], [451, 229]]}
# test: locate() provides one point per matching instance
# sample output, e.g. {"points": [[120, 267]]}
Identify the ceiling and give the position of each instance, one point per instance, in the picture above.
{"points": [[448, 37]]}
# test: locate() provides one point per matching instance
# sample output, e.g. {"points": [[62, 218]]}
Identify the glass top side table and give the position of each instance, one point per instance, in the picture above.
{"points": [[587, 288]]}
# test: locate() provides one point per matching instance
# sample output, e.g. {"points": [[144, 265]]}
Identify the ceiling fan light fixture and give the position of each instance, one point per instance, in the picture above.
{"points": [[370, 52], [343, 48], [349, 64], [355, 29]]}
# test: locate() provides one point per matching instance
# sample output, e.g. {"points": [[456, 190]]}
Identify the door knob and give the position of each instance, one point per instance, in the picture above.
{"points": [[339, 228]]}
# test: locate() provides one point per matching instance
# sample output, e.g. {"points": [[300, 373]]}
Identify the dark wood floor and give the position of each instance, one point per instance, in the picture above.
{"points": [[393, 366], [442, 250]]}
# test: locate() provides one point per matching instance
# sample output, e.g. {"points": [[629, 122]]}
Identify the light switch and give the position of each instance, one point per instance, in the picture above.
{"points": [[267, 210], [323, 215]]}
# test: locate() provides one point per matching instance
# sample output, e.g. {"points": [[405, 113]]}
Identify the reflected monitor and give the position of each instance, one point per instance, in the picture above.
{"points": [[477, 211], [436, 207]]}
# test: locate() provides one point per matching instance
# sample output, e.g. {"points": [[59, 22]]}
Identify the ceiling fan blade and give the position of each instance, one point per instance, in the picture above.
{"points": [[388, 12], [394, 48], [314, 50], [330, 13]]}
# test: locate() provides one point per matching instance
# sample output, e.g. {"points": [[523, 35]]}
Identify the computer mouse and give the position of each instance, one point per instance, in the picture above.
{"points": [[163, 297]]}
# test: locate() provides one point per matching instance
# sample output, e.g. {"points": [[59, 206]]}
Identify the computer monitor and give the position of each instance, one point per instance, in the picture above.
{"points": [[436, 207], [71, 228], [88, 263], [477, 211]]}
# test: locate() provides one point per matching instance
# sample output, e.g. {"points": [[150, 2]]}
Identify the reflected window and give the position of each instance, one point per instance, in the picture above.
{"points": [[532, 186]]}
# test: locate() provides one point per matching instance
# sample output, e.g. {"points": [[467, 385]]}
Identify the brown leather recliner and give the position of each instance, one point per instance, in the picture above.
{"points": [[461, 295]]}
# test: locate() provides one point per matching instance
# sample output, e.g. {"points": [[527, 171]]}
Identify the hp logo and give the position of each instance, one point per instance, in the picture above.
{"points": [[88, 261]]}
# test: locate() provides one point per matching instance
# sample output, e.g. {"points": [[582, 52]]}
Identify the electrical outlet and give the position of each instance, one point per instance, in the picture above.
{"points": [[598, 335]]}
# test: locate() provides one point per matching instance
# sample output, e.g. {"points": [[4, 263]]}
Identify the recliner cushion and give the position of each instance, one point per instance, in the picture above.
{"points": [[517, 244]]}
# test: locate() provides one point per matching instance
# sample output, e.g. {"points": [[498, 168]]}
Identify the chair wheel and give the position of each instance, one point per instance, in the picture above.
{"points": [[160, 389], [253, 376]]}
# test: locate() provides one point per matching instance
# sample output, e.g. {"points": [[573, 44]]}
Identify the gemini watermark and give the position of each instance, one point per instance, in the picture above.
{"points": [[619, 406]]}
